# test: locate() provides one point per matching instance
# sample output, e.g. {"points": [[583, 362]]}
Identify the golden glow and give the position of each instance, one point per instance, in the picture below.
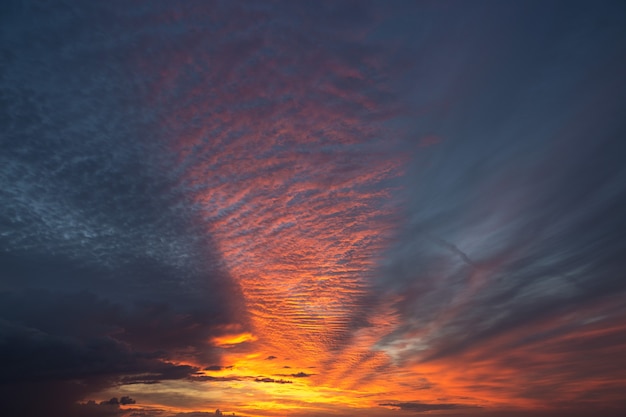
{"points": [[296, 198], [233, 339]]}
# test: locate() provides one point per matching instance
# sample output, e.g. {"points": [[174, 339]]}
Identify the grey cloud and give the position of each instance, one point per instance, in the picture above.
{"points": [[215, 378], [514, 215], [297, 375], [116, 402], [419, 407], [108, 272], [272, 380], [125, 400]]}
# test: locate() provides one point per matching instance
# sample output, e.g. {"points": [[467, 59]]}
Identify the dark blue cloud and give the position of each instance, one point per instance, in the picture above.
{"points": [[107, 272]]}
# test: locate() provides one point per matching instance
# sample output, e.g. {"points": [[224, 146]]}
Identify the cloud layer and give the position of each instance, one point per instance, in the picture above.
{"points": [[327, 207]]}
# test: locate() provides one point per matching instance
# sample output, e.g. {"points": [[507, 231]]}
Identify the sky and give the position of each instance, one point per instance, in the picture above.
{"points": [[312, 208]]}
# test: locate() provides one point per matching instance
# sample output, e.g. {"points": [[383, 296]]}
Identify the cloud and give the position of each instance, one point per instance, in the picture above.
{"points": [[107, 408], [161, 164], [419, 407], [272, 380], [216, 378], [122, 401], [127, 400], [297, 375], [36, 356]]}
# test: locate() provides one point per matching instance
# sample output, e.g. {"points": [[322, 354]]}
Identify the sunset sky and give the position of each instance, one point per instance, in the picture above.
{"points": [[312, 208]]}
